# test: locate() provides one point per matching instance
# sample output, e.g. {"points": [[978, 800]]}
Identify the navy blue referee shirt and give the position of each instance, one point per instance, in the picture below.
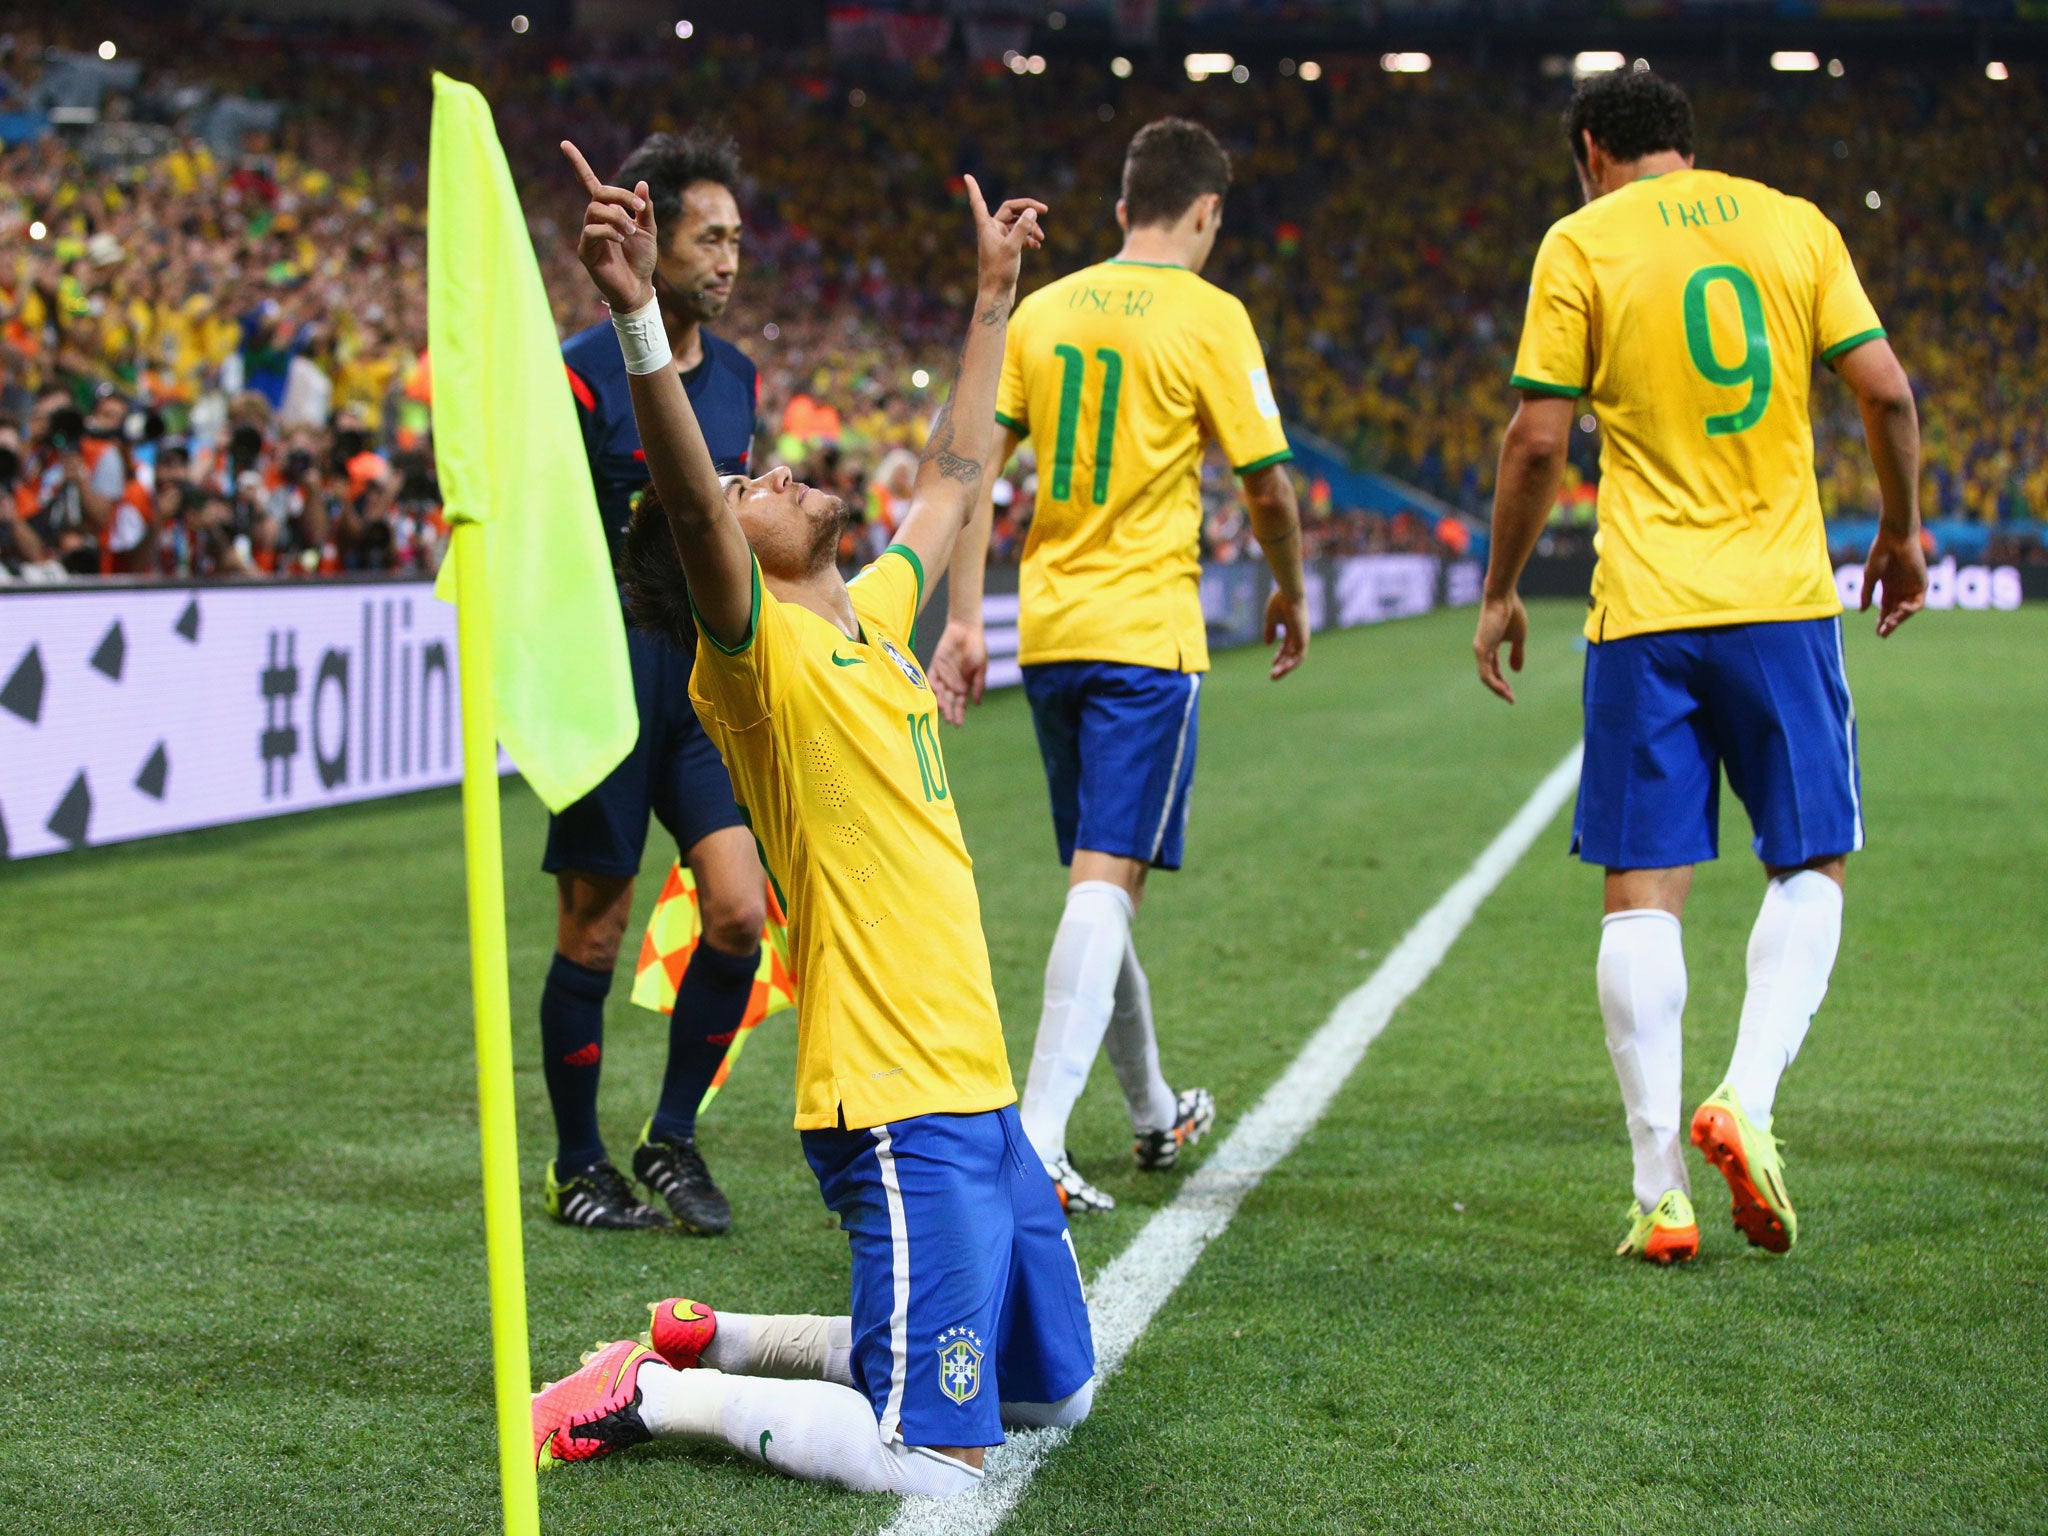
{"points": [[724, 391]]}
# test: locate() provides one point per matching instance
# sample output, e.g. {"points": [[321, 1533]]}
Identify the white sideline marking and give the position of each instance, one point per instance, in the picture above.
{"points": [[1137, 1282]]}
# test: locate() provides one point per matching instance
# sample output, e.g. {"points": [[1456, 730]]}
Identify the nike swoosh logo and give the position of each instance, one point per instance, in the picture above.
{"points": [[848, 661], [766, 1436]]}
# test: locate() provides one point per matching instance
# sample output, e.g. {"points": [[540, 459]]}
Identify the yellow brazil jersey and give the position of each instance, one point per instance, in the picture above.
{"points": [[833, 747], [1119, 374], [1689, 308]]}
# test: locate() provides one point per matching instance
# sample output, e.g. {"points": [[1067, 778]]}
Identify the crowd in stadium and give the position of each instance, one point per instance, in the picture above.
{"points": [[212, 349]]}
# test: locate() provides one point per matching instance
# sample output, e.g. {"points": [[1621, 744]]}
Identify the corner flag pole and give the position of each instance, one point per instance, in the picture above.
{"points": [[484, 858]]}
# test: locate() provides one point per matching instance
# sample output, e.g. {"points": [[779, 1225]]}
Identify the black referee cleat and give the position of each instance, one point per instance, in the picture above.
{"points": [[674, 1169], [599, 1197]]}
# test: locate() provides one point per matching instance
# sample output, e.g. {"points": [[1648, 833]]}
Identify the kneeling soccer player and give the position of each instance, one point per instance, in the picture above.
{"points": [[967, 1309]]}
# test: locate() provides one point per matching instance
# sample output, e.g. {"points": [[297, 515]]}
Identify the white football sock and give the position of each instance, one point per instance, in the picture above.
{"points": [[817, 1430], [1134, 1049], [1791, 955], [1064, 1414], [1642, 1000], [800, 1348], [1080, 991]]}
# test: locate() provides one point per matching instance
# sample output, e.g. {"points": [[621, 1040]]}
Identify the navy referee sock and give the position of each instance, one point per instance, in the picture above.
{"points": [[572, 1045], [709, 1006]]}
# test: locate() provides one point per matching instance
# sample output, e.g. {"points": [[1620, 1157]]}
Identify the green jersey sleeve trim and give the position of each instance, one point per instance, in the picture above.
{"points": [[753, 619], [1013, 424], [916, 565], [1851, 344], [1545, 387], [1266, 463]]}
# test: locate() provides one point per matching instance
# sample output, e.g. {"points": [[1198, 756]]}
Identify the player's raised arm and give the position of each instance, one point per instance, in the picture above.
{"points": [[959, 669], [950, 471], [618, 248]]}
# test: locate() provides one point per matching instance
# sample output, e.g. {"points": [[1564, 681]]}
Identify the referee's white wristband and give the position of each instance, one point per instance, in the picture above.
{"points": [[642, 338]]}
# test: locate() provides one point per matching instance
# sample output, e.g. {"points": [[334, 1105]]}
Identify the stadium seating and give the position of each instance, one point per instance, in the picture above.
{"points": [[252, 279]]}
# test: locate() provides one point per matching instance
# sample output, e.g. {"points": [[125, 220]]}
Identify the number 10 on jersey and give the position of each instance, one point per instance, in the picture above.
{"points": [[931, 768]]}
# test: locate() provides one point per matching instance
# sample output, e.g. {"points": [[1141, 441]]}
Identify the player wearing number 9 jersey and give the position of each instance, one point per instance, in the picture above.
{"points": [[1121, 374], [1688, 308]]}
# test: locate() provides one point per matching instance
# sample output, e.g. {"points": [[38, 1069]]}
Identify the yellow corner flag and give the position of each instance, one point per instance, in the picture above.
{"points": [[527, 544], [510, 457]]}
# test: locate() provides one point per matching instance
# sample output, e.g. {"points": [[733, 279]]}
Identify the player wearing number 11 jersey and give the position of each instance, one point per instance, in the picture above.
{"points": [[1688, 308], [1121, 374]]}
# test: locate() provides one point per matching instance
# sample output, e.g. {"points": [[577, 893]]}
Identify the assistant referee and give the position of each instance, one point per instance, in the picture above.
{"points": [[595, 846]]}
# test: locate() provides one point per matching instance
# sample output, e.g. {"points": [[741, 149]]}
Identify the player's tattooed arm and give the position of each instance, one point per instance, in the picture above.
{"points": [[950, 472]]}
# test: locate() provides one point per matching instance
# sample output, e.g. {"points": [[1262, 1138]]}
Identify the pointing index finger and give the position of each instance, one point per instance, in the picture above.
{"points": [[583, 171], [975, 200]]}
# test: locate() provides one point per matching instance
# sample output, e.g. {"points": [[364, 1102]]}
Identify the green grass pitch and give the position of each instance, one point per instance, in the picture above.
{"points": [[241, 1259]]}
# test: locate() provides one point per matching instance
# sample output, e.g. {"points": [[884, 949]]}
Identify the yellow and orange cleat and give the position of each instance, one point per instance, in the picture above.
{"points": [[1747, 1157], [1666, 1235]]}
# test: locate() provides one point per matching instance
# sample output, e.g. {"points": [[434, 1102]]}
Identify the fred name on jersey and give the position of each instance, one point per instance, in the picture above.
{"points": [[1700, 213]]}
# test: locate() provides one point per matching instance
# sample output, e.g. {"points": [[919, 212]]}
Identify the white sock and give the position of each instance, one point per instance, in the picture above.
{"points": [[1133, 1048], [816, 1430], [801, 1348], [1080, 990], [1064, 1414], [1791, 955], [1642, 1000]]}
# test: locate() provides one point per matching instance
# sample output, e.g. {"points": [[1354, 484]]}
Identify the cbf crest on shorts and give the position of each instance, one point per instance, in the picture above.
{"points": [[907, 667], [959, 1360]]}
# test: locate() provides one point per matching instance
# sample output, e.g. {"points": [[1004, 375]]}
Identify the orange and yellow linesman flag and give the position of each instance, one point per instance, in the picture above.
{"points": [[672, 935]]}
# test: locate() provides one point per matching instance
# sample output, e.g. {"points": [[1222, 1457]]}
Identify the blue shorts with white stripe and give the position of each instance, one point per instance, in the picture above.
{"points": [[966, 1291], [1119, 749], [1666, 712]]}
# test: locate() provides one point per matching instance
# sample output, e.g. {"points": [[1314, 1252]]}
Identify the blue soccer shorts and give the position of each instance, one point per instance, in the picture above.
{"points": [[674, 772], [966, 1291], [1119, 749], [1666, 712]]}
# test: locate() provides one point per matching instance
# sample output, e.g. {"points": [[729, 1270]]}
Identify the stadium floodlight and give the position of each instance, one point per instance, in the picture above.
{"points": [[1641, 66], [1016, 61], [1036, 63], [1240, 74], [686, 28], [919, 378], [1836, 69], [1311, 70], [1287, 66], [1597, 61], [107, 49], [1872, 201], [520, 24], [37, 230], [1200, 66], [1056, 20], [1405, 63], [1120, 67], [1795, 61], [1996, 71]]}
